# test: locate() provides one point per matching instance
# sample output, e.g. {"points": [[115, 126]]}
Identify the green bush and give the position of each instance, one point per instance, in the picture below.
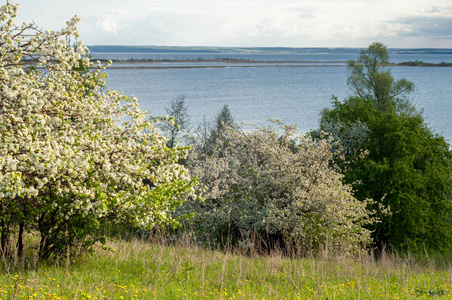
{"points": [[285, 189], [406, 167]]}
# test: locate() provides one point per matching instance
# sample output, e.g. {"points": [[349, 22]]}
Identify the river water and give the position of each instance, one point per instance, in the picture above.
{"points": [[291, 88]]}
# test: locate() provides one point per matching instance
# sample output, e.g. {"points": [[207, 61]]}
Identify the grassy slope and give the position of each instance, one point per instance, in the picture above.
{"points": [[143, 270]]}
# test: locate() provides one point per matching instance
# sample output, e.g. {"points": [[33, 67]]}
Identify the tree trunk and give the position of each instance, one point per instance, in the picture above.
{"points": [[20, 241], [5, 238]]}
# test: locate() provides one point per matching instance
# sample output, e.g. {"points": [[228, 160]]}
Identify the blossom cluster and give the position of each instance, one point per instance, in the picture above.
{"points": [[283, 186], [70, 148]]}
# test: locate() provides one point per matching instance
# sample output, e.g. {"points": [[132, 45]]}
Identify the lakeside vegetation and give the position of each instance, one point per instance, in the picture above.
{"points": [[424, 64], [360, 208]]}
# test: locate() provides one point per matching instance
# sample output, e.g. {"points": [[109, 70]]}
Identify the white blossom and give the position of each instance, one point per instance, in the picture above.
{"points": [[64, 144], [283, 185]]}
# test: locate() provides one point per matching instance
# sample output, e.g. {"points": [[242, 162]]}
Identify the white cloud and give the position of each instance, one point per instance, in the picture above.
{"points": [[113, 20], [276, 25], [440, 9], [295, 23], [108, 23]]}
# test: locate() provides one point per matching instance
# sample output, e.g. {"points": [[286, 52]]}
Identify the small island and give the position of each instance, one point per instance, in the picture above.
{"points": [[418, 63]]}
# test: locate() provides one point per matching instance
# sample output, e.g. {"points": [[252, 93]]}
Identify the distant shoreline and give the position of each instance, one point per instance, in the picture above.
{"points": [[223, 60], [223, 63], [153, 49], [234, 63]]}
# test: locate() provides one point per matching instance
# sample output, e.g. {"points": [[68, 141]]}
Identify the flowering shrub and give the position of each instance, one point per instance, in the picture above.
{"points": [[284, 188], [71, 153]]}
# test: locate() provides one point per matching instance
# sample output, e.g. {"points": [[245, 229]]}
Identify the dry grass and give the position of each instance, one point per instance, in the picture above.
{"points": [[158, 269]]}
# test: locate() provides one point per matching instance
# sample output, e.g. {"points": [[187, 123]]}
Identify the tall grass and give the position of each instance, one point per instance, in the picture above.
{"points": [[154, 268]]}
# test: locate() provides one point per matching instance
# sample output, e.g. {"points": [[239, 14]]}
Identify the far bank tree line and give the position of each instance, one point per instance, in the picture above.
{"points": [[380, 147]]}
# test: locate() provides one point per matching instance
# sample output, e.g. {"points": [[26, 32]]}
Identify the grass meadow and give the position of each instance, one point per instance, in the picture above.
{"points": [[153, 269]]}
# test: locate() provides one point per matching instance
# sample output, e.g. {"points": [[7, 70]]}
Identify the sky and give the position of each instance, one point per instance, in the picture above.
{"points": [[250, 23]]}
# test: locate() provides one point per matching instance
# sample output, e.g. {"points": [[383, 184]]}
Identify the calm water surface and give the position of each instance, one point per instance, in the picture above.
{"points": [[290, 94], [334, 55]]}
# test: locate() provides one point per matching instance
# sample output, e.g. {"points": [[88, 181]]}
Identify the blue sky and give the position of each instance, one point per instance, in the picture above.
{"points": [[250, 23]]}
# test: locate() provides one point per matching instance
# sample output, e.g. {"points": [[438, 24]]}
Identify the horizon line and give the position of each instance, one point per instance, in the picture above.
{"points": [[261, 47]]}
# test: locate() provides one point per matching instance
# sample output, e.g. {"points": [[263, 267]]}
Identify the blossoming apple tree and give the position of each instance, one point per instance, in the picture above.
{"points": [[281, 185], [73, 154]]}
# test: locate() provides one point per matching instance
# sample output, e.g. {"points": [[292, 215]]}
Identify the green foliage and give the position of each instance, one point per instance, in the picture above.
{"points": [[418, 63], [369, 78], [180, 120], [223, 120], [73, 155], [283, 188], [208, 135], [406, 167]]}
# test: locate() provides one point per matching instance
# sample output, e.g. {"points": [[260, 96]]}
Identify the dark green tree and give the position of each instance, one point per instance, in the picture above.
{"points": [[200, 140], [208, 134], [406, 166], [222, 121], [370, 79], [181, 118]]}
